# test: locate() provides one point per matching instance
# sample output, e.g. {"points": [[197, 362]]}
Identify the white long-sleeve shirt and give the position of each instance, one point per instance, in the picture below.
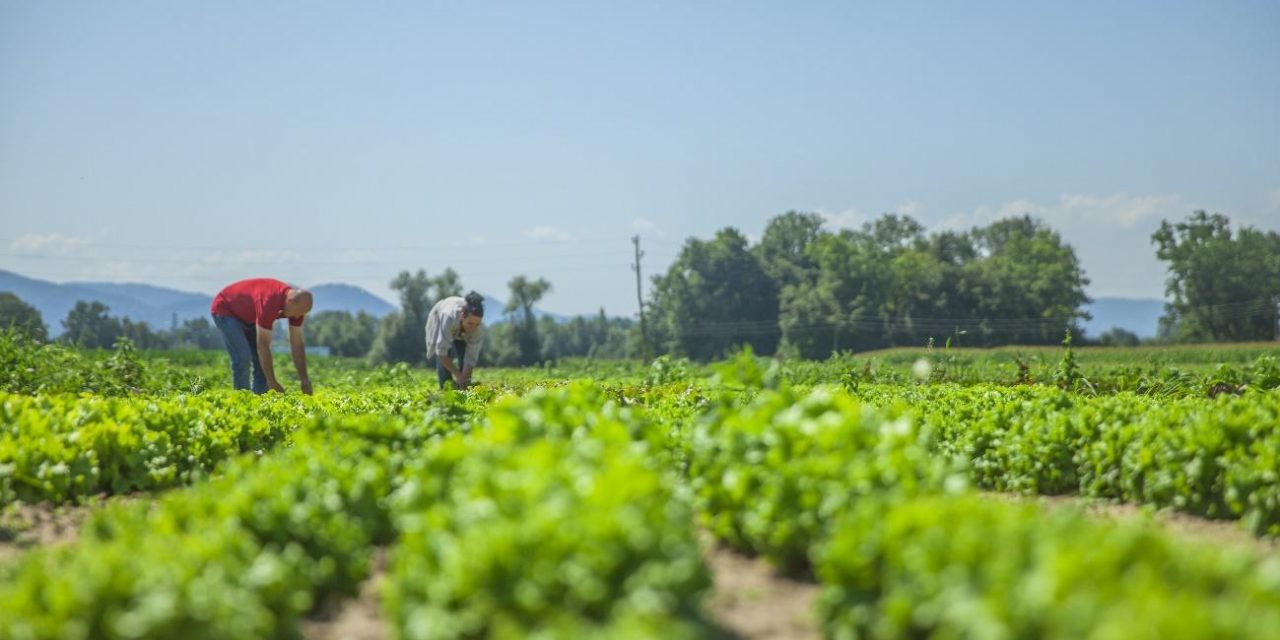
{"points": [[444, 325]]}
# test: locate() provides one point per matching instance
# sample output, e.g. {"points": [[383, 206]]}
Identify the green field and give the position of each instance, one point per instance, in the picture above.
{"points": [[575, 500]]}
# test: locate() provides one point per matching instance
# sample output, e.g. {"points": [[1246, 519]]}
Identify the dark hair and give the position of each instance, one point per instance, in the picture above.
{"points": [[475, 305]]}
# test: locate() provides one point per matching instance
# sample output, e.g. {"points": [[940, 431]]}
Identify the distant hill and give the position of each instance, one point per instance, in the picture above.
{"points": [[55, 300], [346, 297], [151, 304], [1139, 315], [157, 305]]}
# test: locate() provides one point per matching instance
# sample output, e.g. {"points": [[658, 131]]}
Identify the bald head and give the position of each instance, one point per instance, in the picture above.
{"points": [[297, 303]]}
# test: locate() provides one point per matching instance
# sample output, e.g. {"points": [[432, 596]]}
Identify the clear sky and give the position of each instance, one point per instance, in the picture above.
{"points": [[189, 144]]}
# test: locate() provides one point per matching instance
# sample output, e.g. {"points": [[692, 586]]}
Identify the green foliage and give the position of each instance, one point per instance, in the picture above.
{"points": [[400, 335], [1224, 286], [771, 476], [1214, 458], [532, 506], [745, 371], [715, 297], [595, 337], [567, 529], [667, 370], [1067, 375], [243, 556], [947, 567], [61, 448], [1012, 282], [16, 315], [87, 325], [198, 333], [446, 285], [525, 293], [345, 334], [783, 250], [30, 367]]}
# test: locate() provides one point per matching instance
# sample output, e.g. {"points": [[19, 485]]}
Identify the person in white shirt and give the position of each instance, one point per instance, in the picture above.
{"points": [[455, 331]]}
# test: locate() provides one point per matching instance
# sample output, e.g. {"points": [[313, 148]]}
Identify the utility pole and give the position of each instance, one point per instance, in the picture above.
{"points": [[644, 330]]}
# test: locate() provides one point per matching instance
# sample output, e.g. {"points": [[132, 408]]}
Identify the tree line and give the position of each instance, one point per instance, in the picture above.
{"points": [[520, 340], [803, 291], [806, 291]]}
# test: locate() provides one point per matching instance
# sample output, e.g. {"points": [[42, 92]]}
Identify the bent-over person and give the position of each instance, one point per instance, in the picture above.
{"points": [[455, 332], [245, 313]]}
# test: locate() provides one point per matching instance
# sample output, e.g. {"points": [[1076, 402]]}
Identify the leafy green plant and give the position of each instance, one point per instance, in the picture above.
{"points": [[973, 567]]}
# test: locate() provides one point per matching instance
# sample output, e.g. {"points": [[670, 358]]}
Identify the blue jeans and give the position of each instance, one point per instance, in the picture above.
{"points": [[242, 343], [458, 351]]}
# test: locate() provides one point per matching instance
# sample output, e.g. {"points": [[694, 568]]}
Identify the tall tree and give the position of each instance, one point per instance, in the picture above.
{"points": [[198, 333], [526, 293], [141, 335], [1222, 285], [88, 325], [345, 334], [17, 315], [401, 336], [887, 284], [716, 297], [1028, 286], [446, 285], [784, 248]]}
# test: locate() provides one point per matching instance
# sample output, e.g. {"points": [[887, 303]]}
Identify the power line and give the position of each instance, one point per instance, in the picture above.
{"points": [[292, 259], [433, 248], [1249, 309], [563, 269]]}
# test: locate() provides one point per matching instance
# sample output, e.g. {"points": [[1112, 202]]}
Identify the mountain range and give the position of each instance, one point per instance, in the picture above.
{"points": [[158, 306]]}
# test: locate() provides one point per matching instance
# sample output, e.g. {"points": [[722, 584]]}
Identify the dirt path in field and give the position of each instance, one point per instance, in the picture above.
{"points": [[26, 526], [749, 600], [1179, 525], [358, 618]]}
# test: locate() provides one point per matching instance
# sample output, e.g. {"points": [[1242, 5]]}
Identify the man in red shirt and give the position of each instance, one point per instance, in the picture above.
{"points": [[245, 312]]}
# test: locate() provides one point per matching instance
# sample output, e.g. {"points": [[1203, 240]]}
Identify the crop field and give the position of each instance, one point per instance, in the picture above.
{"points": [[929, 493]]}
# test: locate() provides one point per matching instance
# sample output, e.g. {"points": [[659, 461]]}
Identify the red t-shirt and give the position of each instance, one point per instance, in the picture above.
{"points": [[258, 301]]}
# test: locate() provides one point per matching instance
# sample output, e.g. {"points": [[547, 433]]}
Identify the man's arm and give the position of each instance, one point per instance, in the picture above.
{"points": [[299, 352], [264, 358]]}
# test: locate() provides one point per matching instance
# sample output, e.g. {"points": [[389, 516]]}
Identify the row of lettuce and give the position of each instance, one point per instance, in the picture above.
{"points": [[31, 367], [563, 514], [821, 483], [61, 448], [526, 524], [1217, 458]]}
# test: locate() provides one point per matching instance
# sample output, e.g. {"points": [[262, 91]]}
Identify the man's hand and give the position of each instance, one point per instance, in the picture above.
{"points": [[306, 386], [275, 386]]}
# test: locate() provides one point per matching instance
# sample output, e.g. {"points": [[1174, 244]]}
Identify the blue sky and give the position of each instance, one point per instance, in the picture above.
{"points": [[192, 144]]}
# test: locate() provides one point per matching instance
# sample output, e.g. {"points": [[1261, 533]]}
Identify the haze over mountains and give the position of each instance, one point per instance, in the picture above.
{"points": [[157, 306]]}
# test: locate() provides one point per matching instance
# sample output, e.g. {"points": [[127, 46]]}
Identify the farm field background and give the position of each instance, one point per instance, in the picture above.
{"points": [[589, 499]]}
